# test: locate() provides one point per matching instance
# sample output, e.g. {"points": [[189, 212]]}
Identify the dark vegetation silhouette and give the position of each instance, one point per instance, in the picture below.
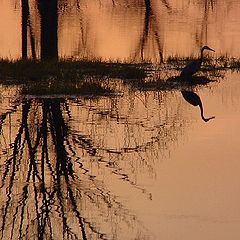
{"points": [[49, 28], [48, 11], [27, 26], [35, 187]]}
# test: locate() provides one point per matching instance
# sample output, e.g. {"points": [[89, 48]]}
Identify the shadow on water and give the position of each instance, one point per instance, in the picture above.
{"points": [[169, 84], [195, 100]]}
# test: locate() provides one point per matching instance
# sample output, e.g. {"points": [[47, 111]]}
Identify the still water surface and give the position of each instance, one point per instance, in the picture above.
{"points": [[139, 165], [132, 30], [135, 165]]}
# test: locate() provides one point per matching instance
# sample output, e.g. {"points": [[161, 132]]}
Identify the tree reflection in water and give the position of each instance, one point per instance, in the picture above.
{"points": [[49, 171]]}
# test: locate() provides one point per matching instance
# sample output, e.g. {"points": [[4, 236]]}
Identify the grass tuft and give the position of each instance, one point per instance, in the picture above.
{"points": [[22, 71]]}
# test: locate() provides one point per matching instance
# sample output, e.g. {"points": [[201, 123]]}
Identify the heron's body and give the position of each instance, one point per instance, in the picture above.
{"points": [[192, 98], [191, 68]]}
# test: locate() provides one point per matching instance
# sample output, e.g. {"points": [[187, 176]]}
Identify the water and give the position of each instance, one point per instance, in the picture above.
{"points": [[126, 30], [132, 165], [141, 165]]}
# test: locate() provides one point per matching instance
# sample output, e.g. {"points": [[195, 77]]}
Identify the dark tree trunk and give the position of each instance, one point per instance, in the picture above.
{"points": [[25, 17], [49, 28]]}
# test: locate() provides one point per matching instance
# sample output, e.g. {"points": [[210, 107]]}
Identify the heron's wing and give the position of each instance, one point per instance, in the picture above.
{"points": [[191, 68]]}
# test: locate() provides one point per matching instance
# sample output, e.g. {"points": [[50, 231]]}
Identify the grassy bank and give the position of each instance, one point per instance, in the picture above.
{"points": [[33, 70], [66, 76], [23, 71], [91, 77]]}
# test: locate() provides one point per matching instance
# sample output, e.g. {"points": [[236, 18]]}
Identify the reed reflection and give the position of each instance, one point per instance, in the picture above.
{"points": [[195, 100], [149, 45], [152, 32], [47, 195], [52, 168], [202, 35], [157, 28]]}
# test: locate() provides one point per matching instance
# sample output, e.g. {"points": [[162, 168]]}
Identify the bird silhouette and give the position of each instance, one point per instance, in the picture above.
{"points": [[195, 100], [194, 66]]}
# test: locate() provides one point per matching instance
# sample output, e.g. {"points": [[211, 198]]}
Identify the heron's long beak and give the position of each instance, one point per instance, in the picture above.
{"points": [[211, 49]]}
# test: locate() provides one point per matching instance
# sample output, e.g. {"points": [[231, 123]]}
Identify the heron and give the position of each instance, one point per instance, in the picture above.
{"points": [[194, 66], [194, 99]]}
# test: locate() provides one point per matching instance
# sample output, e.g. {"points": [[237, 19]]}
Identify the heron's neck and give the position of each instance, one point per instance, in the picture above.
{"points": [[201, 58], [202, 115]]}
